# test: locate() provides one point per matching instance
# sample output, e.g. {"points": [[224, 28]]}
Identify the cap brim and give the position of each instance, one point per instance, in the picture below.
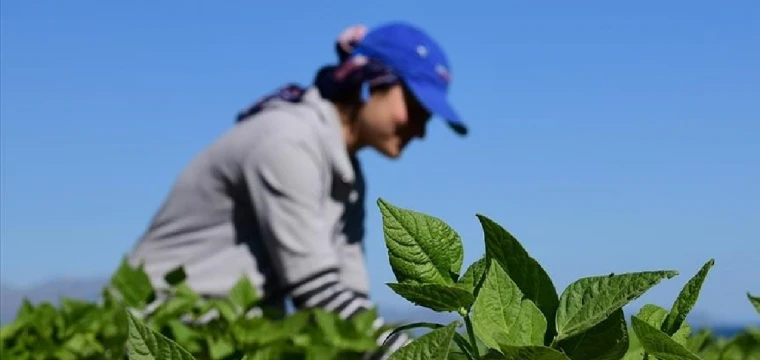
{"points": [[435, 101]]}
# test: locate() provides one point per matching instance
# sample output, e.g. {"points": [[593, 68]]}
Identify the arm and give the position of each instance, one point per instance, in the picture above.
{"points": [[285, 177]]}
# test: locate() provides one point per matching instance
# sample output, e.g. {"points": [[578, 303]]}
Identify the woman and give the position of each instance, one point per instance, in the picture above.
{"points": [[280, 197]]}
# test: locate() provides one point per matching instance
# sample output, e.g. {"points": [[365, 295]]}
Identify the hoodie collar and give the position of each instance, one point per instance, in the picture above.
{"points": [[334, 141]]}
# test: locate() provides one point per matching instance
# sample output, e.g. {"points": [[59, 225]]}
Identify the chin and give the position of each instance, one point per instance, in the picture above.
{"points": [[393, 152]]}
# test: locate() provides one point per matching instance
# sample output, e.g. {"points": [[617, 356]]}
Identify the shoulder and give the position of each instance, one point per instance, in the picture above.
{"points": [[284, 130], [303, 132], [300, 121]]}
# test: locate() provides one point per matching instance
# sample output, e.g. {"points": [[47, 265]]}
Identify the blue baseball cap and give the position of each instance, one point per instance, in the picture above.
{"points": [[419, 61]]}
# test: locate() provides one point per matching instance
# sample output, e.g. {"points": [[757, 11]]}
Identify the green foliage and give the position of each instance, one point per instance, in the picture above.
{"points": [[514, 311], [509, 306], [144, 344], [121, 325], [665, 335]]}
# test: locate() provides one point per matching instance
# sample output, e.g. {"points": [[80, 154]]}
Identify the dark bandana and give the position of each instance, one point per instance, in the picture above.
{"points": [[331, 81]]}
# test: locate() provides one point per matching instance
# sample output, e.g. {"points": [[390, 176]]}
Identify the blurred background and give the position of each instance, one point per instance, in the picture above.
{"points": [[607, 136]]}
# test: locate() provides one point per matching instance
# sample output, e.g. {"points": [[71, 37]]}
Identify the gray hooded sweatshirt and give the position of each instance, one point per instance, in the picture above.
{"points": [[276, 198]]}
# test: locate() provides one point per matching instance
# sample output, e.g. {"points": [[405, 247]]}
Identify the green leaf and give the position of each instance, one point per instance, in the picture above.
{"points": [[524, 270], [252, 332], [180, 331], [436, 297], [132, 285], [84, 345], [501, 316], [421, 248], [10, 330], [659, 344], [699, 341], [755, 301], [80, 316], [173, 308], [225, 308], [652, 315], [319, 352], [528, 353], [415, 325], [456, 355], [588, 301], [261, 331], [244, 294], [655, 316], [274, 352], [686, 300], [458, 338], [608, 340], [473, 277], [220, 348], [176, 276], [341, 334], [146, 344], [363, 320], [434, 345]]}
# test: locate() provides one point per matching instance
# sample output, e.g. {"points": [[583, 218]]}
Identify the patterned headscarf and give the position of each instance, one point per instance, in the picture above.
{"points": [[335, 81]]}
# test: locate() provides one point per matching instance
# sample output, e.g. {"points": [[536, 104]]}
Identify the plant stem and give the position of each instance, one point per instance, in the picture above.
{"points": [[464, 346], [471, 333]]}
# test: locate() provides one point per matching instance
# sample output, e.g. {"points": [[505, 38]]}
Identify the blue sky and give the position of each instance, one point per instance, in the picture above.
{"points": [[606, 136]]}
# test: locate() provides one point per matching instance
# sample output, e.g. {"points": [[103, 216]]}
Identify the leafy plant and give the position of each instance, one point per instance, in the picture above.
{"points": [[183, 326], [508, 304], [683, 344], [512, 310]]}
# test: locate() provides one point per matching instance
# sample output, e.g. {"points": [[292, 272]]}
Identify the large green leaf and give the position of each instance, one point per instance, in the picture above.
{"points": [[421, 248], [659, 344], [686, 300], [526, 353], [473, 276], [608, 340], [524, 270], [588, 301], [435, 297], [435, 345], [146, 344], [502, 316]]}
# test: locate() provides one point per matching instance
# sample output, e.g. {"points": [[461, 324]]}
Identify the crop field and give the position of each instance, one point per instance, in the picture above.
{"points": [[509, 308]]}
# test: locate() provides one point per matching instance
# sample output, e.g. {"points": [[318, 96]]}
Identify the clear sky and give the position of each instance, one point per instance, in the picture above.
{"points": [[607, 136]]}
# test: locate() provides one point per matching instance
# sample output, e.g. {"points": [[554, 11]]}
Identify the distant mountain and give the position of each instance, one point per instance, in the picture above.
{"points": [[11, 297]]}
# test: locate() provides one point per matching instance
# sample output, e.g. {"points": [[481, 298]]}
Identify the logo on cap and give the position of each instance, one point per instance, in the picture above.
{"points": [[443, 72]]}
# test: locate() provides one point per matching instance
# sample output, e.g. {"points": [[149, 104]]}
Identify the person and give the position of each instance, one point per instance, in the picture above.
{"points": [[279, 197]]}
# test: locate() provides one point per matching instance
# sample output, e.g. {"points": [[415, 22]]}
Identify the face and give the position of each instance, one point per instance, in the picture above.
{"points": [[390, 119]]}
